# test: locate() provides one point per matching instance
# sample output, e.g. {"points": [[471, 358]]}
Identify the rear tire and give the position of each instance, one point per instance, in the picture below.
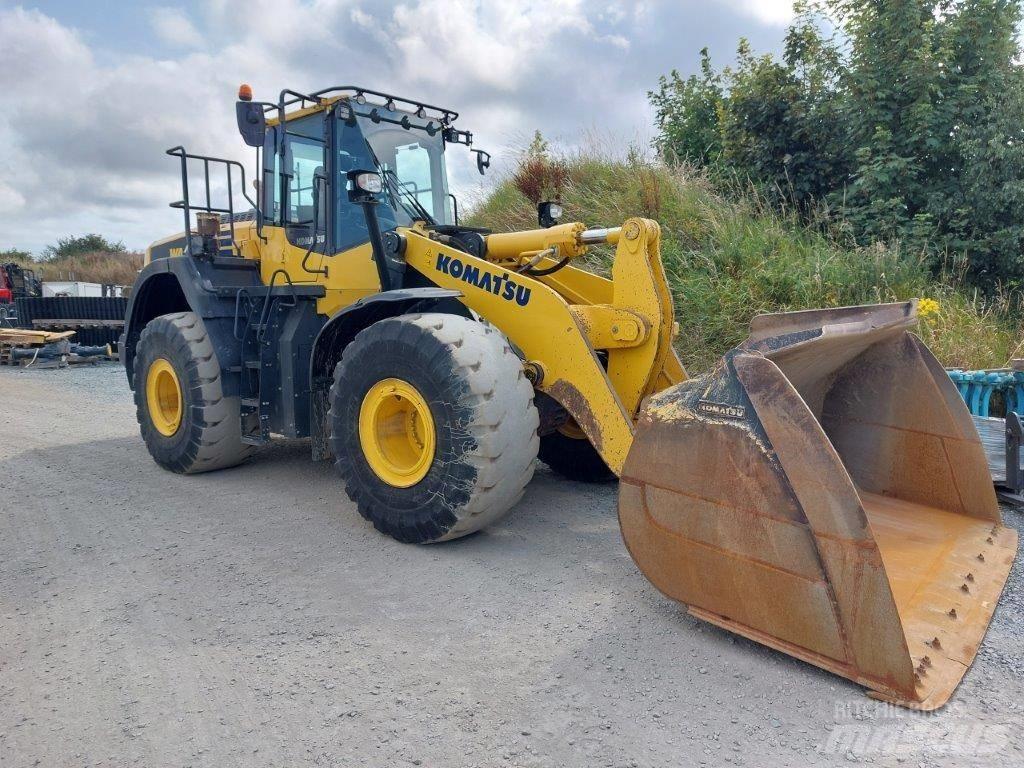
{"points": [[574, 458], [482, 429], [208, 433]]}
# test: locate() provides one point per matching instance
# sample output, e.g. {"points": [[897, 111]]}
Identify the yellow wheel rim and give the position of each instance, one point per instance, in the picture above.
{"points": [[396, 433], [163, 396]]}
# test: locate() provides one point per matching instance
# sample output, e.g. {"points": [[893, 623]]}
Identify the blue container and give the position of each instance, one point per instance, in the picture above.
{"points": [[978, 387]]}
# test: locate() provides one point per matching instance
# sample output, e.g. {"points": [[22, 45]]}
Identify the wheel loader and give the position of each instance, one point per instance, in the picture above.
{"points": [[822, 490]]}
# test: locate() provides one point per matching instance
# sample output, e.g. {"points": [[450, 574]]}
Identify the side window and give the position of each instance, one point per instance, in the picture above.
{"points": [[305, 158], [412, 166], [304, 155]]}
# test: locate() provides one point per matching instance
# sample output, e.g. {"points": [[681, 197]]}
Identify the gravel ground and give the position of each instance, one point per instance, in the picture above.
{"points": [[252, 618]]}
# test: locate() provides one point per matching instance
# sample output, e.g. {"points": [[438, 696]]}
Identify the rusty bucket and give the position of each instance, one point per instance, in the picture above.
{"points": [[823, 491]]}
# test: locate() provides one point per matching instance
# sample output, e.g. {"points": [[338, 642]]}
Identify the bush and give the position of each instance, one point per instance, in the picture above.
{"points": [[92, 267], [73, 247]]}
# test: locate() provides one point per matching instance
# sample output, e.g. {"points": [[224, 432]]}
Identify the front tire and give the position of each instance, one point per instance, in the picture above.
{"points": [[433, 426], [187, 423]]}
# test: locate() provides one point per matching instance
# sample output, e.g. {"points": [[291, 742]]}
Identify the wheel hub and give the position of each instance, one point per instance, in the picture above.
{"points": [[396, 432], [163, 396]]}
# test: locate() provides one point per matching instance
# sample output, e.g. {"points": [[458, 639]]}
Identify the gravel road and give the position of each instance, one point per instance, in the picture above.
{"points": [[252, 618]]}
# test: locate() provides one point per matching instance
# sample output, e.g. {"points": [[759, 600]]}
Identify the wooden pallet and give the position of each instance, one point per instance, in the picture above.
{"points": [[78, 323], [23, 337]]}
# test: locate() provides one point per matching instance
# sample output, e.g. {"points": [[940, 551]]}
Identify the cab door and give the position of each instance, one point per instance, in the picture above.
{"points": [[314, 234]]}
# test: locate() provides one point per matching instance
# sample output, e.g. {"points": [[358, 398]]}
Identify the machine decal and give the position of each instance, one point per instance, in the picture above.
{"points": [[499, 285], [724, 410]]}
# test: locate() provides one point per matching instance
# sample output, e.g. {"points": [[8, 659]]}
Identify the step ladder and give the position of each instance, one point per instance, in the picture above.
{"points": [[257, 353]]}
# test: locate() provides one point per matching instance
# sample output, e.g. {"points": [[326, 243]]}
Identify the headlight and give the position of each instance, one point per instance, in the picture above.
{"points": [[548, 213], [368, 182]]}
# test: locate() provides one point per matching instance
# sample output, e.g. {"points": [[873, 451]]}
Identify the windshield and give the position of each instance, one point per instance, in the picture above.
{"points": [[410, 162], [413, 163]]}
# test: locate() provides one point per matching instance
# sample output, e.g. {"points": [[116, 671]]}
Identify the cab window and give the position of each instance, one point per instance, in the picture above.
{"points": [[288, 186], [304, 157], [412, 166], [352, 153]]}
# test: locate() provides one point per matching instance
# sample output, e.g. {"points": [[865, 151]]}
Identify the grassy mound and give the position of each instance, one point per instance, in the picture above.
{"points": [[729, 259]]}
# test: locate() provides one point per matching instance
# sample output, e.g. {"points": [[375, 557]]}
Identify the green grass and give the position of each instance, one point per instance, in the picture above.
{"points": [[729, 258]]}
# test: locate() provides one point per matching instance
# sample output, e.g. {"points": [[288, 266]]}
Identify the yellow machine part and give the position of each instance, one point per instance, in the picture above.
{"points": [[560, 321], [560, 333], [163, 397], [396, 432], [824, 491]]}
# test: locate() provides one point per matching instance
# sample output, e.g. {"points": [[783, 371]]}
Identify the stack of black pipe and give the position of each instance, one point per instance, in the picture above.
{"points": [[78, 310]]}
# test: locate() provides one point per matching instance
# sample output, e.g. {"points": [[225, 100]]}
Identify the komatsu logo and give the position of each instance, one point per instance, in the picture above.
{"points": [[499, 285], [723, 410]]}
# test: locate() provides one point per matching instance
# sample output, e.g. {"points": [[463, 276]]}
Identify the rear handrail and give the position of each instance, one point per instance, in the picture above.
{"points": [[186, 205]]}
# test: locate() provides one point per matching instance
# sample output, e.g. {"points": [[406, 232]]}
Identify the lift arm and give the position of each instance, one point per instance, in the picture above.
{"points": [[560, 339]]}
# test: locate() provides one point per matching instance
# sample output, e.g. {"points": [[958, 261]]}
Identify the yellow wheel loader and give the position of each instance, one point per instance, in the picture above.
{"points": [[822, 490]]}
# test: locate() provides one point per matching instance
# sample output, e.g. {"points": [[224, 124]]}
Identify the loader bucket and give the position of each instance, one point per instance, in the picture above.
{"points": [[823, 491]]}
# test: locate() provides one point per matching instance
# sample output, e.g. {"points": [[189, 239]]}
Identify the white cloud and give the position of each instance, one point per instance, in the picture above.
{"points": [[496, 44], [775, 12], [87, 125], [173, 26]]}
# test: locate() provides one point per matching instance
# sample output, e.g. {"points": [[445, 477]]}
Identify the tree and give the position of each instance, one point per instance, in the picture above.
{"points": [[772, 122], [890, 84], [906, 122], [687, 113], [986, 217], [781, 127], [69, 247]]}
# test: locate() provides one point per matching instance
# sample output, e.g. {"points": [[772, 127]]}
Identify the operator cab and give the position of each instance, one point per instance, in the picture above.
{"points": [[313, 157]]}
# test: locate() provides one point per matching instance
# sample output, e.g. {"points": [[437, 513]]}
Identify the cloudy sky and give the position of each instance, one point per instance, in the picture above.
{"points": [[96, 91]]}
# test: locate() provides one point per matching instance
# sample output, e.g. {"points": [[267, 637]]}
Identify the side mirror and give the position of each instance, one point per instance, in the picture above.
{"points": [[252, 123], [483, 160]]}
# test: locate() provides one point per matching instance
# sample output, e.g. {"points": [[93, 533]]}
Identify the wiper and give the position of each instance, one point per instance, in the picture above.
{"points": [[410, 204], [414, 208]]}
